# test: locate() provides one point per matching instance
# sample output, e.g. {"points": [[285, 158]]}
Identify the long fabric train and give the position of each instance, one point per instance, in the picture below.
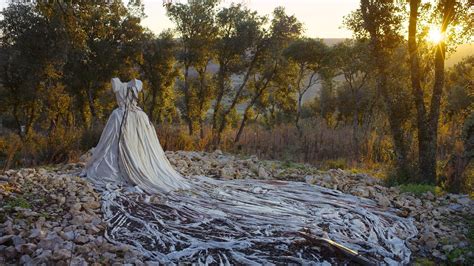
{"points": [[204, 220], [253, 222]]}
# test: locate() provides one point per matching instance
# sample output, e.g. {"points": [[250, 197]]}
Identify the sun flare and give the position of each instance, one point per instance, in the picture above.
{"points": [[435, 35]]}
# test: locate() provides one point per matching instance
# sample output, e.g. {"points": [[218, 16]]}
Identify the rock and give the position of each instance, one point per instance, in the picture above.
{"points": [[51, 241], [429, 239], [310, 179], [262, 173], [4, 239], [464, 200], [383, 201], [61, 254], [428, 195], [78, 261], [152, 263], [361, 192], [227, 173], [448, 248], [69, 236], [81, 239], [17, 240], [437, 254], [10, 252], [91, 205], [44, 256], [76, 207], [26, 260], [109, 255], [36, 233], [27, 248]]}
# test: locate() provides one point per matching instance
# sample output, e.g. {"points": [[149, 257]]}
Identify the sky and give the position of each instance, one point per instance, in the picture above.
{"points": [[321, 18]]}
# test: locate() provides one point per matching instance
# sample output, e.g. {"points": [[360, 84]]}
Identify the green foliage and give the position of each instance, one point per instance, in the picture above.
{"points": [[292, 165], [418, 189], [19, 201], [158, 64], [335, 164], [424, 262]]}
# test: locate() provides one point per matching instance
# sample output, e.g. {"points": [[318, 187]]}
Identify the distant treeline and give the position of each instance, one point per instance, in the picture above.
{"points": [[385, 97]]}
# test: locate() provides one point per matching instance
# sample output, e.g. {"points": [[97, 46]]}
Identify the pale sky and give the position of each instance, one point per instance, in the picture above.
{"points": [[321, 18]]}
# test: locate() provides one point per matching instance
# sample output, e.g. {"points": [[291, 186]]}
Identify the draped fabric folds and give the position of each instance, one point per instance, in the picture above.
{"points": [[129, 150], [226, 222]]}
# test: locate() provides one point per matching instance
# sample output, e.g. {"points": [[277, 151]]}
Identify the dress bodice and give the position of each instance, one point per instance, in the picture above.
{"points": [[126, 93]]}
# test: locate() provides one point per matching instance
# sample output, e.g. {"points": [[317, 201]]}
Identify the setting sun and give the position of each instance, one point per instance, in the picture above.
{"points": [[435, 35]]}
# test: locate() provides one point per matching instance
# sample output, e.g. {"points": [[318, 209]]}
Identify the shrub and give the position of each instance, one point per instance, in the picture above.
{"points": [[418, 189]]}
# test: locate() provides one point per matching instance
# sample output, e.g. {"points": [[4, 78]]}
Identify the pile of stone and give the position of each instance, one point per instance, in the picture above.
{"points": [[52, 215]]}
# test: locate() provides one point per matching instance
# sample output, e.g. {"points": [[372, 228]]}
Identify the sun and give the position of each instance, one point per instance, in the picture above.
{"points": [[435, 35]]}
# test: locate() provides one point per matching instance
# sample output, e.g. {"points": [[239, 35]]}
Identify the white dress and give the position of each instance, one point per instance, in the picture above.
{"points": [[227, 222], [129, 150]]}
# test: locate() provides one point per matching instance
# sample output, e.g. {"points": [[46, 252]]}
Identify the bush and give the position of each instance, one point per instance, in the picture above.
{"points": [[334, 164], [419, 189]]}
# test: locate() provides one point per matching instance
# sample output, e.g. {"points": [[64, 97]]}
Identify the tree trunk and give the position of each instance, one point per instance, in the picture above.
{"points": [[201, 128], [186, 101], [355, 138], [153, 103], [241, 128], [458, 163], [220, 95], [92, 109], [427, 123], [298, 113]]}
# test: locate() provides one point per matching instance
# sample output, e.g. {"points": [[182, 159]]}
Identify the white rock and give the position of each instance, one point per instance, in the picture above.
{"points": [[262, 173]]}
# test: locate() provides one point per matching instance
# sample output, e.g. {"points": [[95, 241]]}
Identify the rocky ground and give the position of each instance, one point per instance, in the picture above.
{"points": [[49, 216]]}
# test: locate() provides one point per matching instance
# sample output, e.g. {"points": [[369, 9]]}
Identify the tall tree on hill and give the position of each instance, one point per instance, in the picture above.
{"points": [[158, 64], [446, 13], [379, 23], [195, 24], [103, 41], [460, 110], [238, 32], [309, 56], [34, 49], [284, 29], [355, 97], [250, 34]]}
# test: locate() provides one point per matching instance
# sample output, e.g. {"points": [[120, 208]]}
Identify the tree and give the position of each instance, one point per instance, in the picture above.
{"points": [[460, 108], [101, 36], [428, 115], [256, 46], [284, 29], [158, 65], [197, 32], [355, 97], [309, 56], [238, 31], [379, 23], [34, 49]]}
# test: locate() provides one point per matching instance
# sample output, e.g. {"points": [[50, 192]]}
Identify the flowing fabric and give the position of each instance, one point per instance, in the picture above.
{"points": [[129, 150], [172, 219]]}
